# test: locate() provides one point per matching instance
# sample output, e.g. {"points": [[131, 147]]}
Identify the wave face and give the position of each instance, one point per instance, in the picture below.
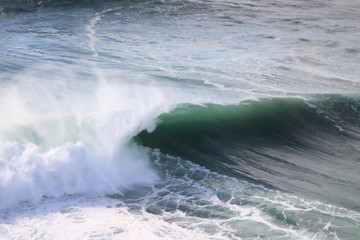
{"points": [[291, 144]]}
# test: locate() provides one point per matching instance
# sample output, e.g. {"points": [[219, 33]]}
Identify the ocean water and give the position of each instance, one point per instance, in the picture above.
{"points": [[173, 119]]}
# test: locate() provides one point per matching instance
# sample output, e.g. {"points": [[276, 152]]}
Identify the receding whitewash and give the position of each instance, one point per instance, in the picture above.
{"points": [[95, 219]]}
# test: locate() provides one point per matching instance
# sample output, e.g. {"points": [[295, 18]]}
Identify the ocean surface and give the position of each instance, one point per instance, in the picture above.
{"points": [[174, 119]]}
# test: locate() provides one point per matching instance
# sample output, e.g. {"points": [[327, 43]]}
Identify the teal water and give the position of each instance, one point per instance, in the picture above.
{"points": [[286, 143]]}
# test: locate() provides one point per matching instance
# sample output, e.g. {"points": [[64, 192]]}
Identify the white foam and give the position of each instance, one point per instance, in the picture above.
{"points": [[94, 219], [27, 174], [64, 140], [65, 131]]}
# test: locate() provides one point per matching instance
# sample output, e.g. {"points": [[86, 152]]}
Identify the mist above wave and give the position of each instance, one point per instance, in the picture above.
{"points": [[58, 138]]}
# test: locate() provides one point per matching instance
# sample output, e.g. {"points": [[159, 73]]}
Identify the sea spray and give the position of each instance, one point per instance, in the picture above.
{"points": [[50, 147], [84, 121]]}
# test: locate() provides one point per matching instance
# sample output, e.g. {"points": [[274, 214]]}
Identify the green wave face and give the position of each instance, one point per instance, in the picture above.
{"points": [[289, 144]]}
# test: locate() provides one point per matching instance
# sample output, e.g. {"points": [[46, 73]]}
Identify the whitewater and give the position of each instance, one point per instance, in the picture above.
{"points": [[179, 119]]}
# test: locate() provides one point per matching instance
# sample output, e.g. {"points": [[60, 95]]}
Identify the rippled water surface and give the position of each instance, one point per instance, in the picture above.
{"points": [[179, 119]]}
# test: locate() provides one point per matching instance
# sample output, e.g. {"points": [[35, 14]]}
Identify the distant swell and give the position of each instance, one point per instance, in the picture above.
{"points": [[33, 5], [296, 145]]}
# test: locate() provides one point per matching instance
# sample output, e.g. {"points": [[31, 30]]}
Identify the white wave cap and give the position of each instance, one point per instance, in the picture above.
{"points": [[50, 147]]}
